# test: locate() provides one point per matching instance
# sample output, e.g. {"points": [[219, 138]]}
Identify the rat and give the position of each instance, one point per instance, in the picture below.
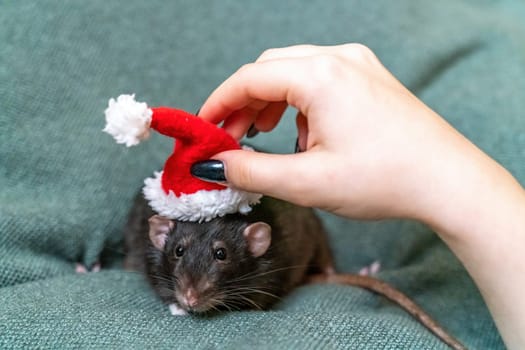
{"points": [[243, 261]]}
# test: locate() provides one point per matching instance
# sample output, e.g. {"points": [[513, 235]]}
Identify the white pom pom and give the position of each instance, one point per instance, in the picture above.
{"points": [[127, 120]]}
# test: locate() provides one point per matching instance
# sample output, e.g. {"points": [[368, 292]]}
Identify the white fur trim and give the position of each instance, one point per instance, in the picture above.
{"points": [[127, 120], [199, 206]]}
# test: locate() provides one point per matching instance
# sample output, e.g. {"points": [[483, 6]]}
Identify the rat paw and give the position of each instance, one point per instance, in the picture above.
{"points": [[175, 310], [370, 270], [96, 267], [81, 269]]}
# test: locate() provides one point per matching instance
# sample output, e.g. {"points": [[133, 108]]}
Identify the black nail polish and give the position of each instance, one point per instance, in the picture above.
{"points": [[209, 170], [252, 131], [297, 149]]}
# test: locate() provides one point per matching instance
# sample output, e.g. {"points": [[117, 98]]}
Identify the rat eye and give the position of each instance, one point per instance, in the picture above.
{"points": [[220, 254], [179, 251]]}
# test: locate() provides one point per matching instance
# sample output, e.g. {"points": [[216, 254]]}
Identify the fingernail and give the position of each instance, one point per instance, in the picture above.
{"points": [[252, 131], [297, 148], [209, 170]]}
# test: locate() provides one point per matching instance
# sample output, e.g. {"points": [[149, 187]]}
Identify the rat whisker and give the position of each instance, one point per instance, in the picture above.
{"points": [[253, 290], [222, 303], [211, 304], [165, 292], [250, 301], [221, 300], [219, 303], [258, 274], [254, 274], [260, 291], [230, 289], [164, 279], [275, 290], [235, 304], [215, 308], [160, 277]]}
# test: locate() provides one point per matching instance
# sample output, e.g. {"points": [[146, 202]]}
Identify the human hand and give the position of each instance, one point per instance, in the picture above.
{"points": [[373, 150], [367, 139]]}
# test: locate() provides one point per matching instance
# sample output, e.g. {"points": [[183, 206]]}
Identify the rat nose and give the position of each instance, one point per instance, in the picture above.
{"points": [[190, 297]]}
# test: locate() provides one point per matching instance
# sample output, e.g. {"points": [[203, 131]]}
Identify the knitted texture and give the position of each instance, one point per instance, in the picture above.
{"points": [[66, 188]]}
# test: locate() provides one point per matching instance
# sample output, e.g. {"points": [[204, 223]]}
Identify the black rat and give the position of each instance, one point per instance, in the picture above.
{"points": [[243, 261]]}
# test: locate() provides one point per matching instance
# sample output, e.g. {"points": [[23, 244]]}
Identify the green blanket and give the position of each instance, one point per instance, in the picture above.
{"points": [[65, 187]]}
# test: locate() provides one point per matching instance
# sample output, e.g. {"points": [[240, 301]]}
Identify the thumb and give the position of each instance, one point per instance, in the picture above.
{"points": [[283, 176]]}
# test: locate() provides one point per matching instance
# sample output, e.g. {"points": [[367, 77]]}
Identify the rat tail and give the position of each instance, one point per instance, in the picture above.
{"points": [[398, 297]]}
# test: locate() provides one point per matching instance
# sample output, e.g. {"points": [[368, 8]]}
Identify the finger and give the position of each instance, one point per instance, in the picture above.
{"points": [[272, 81], [290, 52], [350, 51], [239, 122], [252, 131], [302, 132], [269, 117], [288, 177]]}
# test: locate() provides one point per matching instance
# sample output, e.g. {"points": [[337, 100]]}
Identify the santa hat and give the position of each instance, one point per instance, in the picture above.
{"points": [[174, 192]]}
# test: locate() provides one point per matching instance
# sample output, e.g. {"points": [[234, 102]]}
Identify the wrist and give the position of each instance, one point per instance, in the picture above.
{"points": [[467, 189], [478, 208], [449, 179]]}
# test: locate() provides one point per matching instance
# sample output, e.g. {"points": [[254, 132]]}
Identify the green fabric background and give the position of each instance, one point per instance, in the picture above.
{"points": [[65, 187]]}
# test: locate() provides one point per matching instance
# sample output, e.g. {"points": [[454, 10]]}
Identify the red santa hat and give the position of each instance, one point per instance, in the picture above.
{"points": [[174, 192]]}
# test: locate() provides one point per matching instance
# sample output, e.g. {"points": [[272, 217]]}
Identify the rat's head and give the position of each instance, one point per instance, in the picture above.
{"points": [[207, 266]]}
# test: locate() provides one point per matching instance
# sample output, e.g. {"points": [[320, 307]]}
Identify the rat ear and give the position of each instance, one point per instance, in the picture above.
{"points": [[159, 228], [259, 236]]}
